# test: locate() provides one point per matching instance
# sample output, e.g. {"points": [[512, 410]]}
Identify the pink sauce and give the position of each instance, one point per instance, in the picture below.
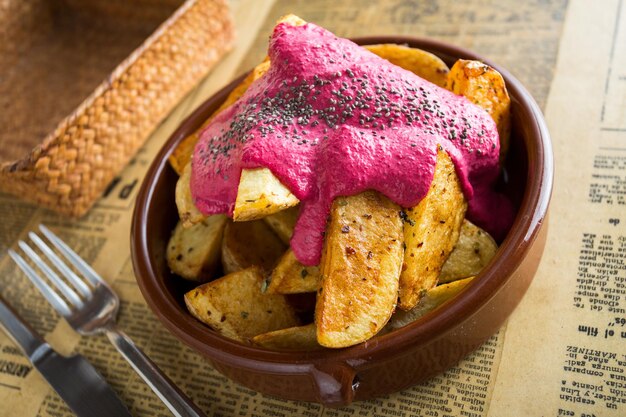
{"points": [[332, 119]]}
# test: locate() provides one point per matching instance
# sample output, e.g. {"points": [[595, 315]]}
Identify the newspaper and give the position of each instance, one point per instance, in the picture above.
{"points": [[563, 350]]}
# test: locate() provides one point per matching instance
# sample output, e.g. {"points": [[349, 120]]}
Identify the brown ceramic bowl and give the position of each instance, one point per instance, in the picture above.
{"points": [[387, 363]]}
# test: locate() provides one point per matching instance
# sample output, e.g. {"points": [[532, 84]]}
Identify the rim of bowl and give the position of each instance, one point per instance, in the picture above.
{"points": [[530, 216]]}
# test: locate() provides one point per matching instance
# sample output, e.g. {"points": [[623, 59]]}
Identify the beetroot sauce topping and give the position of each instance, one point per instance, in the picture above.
{"points": [[331, 119]]}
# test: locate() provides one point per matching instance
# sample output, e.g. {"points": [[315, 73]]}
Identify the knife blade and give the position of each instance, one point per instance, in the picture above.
{"points": [[75, 380]]}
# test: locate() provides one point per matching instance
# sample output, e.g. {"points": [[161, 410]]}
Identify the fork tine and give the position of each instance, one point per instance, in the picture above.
{"points": [[53, 298], [72, 256], [51, 275], [78, 283]]}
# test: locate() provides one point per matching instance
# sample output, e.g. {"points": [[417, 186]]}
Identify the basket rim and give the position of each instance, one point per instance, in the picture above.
{"points": [[105, 85]]}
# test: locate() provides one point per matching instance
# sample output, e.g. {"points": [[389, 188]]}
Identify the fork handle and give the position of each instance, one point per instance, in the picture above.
{"points": [[176, 401]]}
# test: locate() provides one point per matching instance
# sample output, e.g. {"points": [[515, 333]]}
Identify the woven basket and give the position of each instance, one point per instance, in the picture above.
{"points": [[54, 53]]}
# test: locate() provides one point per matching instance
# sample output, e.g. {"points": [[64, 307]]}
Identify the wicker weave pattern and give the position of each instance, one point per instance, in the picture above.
{"points": [[72, 166]]}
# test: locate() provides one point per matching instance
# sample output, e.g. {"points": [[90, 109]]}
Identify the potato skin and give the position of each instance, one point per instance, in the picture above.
{"points": [[472, 252], [360, 267], [235, 306], [431, 229], [433, 299], [485, 87], [421, 63], [283, 223], [250, 243], [187, 210], [291, 338], [194, 253], [260, 194], [291, 277]]}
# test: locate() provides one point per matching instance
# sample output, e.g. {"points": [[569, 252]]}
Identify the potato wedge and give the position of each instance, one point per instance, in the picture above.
{"points": [[431, 230], [187, 210], [472, 252], [421, 63], [194, 253], [291, 19], [183, 151], [433, 299], [283, 222], [250, 243], [260, 194], [485, 87], [235, 306], [291, 277], [361, 263], [292, 338]]}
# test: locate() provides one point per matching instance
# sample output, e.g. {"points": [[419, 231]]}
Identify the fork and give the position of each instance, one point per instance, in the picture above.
{"points": [[90, 306]]}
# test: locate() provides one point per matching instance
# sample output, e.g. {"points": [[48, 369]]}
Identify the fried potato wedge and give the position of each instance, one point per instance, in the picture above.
{"points": [[421, 63], [283, 222], [260, 194], [187, 210], [194, 253], [292, 338], [485, 87], [433, 299], [291, 19], [235, 306], [250, 243], [291, 277], [183, 151], [360, 267], [431, 230], [472, 252]]}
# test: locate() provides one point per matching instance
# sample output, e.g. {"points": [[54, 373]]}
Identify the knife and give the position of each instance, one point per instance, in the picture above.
{"points": [[75, 380]]}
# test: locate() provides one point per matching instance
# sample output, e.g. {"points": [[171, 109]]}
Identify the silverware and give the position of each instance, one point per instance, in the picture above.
{"points": [[73, 378], [90, 307]]}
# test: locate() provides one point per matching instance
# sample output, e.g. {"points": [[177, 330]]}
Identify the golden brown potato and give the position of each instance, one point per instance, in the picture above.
{"points": [[283, 222], [485, 87], [433, 299], [292, 338], [235, 306], [250, 243], [183, 151], [431, 230], [360, 266], [472, 252], [291, 277], [291, 19], [187, 210], [194, 253], [260, 194], [421, 63]]}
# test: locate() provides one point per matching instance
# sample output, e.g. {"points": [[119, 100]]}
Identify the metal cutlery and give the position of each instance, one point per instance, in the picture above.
{"points": [[73, 378], [90, 306]]}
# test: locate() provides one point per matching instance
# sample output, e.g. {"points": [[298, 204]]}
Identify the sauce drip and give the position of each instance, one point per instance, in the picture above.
{"points": [[332, 119]]}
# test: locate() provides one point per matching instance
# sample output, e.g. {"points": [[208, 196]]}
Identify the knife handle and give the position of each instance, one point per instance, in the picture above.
{"points": [[20, 331]]}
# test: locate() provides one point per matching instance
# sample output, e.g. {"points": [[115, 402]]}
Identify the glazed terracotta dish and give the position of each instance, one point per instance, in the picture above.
{"points": [[387, 362]]}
